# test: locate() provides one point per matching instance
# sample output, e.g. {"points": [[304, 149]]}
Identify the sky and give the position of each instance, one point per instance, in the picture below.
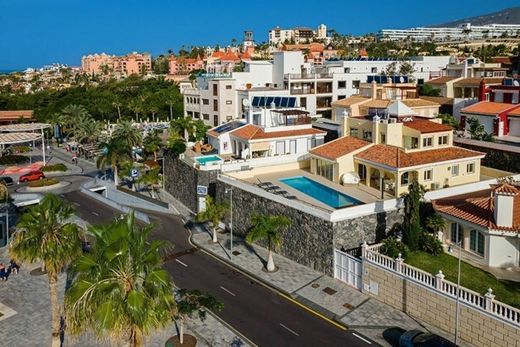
{"points": [[38, 32]]}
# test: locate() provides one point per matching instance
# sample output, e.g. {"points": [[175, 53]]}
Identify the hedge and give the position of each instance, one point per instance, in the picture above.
{"points": [[55, 167], [43, 183]]}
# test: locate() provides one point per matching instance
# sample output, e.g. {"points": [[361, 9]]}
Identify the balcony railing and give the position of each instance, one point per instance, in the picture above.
{"points": [[302, 90], [308, 75]]}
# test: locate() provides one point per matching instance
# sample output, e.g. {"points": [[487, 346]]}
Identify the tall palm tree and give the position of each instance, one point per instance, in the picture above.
{"points": [[70, 115], [43, 234], [127, 133], [213, 213], [435, 222], [152, 143], [151, 179], [113, 153], [120, 289], [183, 126], [268, 228], [87, 130]]}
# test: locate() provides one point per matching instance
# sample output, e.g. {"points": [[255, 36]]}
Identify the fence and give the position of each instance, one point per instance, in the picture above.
{"points": [[437, 283]]}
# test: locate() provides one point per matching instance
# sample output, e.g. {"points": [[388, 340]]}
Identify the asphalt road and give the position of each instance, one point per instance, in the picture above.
{"points": [[259, 313]]}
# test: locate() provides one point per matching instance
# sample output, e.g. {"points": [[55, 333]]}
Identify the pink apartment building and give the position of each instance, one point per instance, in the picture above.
{"points": [[183, 66], [133, 63]]}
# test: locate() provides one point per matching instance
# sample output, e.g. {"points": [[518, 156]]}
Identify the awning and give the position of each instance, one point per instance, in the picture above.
{"points": [[14, 138], [23, 127], [260, 146]]}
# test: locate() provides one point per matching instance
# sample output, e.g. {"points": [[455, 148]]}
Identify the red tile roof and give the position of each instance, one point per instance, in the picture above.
{"points": [[488, 108], [441, 80], [15, 114], [475, 81], [426, 126], [253, 132], [478, 208], [396, 157], [340, 147]]}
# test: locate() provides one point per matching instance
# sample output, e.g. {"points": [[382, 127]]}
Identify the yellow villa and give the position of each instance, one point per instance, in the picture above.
{"points": [[389, 148]]}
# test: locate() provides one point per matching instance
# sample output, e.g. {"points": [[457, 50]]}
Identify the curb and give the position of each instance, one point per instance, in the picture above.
{"points": [[288, 296]]}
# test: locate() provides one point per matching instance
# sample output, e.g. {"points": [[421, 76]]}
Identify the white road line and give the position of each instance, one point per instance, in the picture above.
{"points": [[95, 213], [290, 330], [77, 204], [180, 262], [227, 290], [361, 338]]}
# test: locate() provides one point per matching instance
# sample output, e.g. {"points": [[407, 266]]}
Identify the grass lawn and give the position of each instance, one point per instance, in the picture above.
{"points": [[471, 277]]}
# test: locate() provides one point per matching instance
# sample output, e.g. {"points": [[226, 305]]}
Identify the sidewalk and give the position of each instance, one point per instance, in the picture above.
{"points": [[323, 294]]}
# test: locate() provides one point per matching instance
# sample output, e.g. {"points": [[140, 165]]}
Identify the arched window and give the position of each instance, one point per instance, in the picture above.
{"points": [[476, 242]]}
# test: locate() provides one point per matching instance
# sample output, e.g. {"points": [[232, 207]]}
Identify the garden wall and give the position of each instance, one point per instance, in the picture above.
{"points": [[498, 156]]}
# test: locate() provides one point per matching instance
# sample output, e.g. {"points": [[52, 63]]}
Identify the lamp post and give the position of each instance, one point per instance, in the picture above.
{"points": [[457, 306], [163, 173], [230, 191]]}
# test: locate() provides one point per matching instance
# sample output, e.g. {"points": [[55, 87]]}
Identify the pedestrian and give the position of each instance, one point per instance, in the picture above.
{"points": [[3, 272], [14, 266]]}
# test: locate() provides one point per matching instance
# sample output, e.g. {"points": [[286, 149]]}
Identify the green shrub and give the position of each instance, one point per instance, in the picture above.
{"points": [[43, 183], [12, 159], [55, 167], [19, 149], [429, 243], [392, 247]]}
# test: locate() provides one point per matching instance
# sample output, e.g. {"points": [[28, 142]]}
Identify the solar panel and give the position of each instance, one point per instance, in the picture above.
{"points": [[256, 101], [292, 102], [277, 100], [284, 102], [269, 101], [261, 103], [508, 82]]}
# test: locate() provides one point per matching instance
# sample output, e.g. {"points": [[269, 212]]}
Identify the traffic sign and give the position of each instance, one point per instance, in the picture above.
{"points": [[135, 173], [202, 190]]}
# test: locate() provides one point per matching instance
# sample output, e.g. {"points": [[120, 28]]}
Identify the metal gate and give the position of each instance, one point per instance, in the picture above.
{"points": [[347, 268]]}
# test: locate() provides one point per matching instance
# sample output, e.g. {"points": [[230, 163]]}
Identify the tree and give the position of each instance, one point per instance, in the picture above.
{"points": [[182, 126], [120, 289], [199, 130], [125, 132], [151, 178], [152, 143], [44, 234], [176, 147], [270, 229], [412, 218], [428, 90], [113, 153], [213, 213], [406, 68], [449, 120], [477, 130], [435, 222], [190, 302]]}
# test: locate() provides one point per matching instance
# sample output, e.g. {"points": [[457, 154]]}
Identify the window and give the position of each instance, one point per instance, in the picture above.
{"points": [[443, 140], [414, 143], [456, 234], [383, 138], [455, 170], [362, 171], [405, 178], [427, 142], [228, 102], [355, 84], [476, 242], [470, 168], [325, 169], [215, 105], [196, 115], [342, 84], [205, 101], [367, 135], [215, 119], [373, 70], [353, 132], [346, 70], [341, 97], [428, 175], [215, 90], [229, 86], [303, 102], [205, 116]]}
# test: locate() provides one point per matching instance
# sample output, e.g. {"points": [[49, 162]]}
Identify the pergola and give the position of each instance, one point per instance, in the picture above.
{"points": [[24, 132]]}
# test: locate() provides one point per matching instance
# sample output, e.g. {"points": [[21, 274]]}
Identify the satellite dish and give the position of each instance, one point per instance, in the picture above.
{"points": [[401, 79], [245, 102], [516, 83]]}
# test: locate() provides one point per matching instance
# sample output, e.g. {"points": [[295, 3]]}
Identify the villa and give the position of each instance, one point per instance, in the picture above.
{"points": [[486, 223]]}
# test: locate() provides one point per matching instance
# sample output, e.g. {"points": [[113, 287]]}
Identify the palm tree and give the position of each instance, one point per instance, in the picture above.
{"points": [[435, 222], [43, 234], [213, 213], [87, 130], [194, 301], [151, 179], [120, 289], [113, 153], [152, 143], [127, 133], [183, 126], [270, 228]]}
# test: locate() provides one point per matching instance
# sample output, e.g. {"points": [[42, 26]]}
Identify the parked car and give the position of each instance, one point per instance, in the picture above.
{"points": [[6, 180], [399, 337], [31, 176]]}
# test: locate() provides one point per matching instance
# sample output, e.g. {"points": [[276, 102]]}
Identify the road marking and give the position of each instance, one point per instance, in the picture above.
{"points": [[95, 213], [362, 338], [290, 330], [77, 204], [180, 262], [228, 291]]}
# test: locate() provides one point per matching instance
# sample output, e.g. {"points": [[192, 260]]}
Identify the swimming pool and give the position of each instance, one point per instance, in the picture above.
{"points": [[320, 192], [208, 159]]}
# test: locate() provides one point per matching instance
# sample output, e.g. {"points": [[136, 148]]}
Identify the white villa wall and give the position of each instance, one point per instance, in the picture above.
{"points": [[503, 251]]}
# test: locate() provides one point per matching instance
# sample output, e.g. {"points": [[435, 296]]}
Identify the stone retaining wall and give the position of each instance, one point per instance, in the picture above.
{"points": [[475, 327]]}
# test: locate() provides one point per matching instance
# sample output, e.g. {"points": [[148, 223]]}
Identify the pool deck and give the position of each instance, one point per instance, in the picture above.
{"points": [[357, 191]]}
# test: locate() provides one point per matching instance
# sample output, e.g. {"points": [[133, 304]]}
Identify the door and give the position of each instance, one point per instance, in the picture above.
{"points": [[280, 147], [347, 268], [292, 146]]}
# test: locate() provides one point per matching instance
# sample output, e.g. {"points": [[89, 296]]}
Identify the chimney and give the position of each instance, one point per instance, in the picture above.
{"points": [[482, 90], [504, 203], [374, 90]]}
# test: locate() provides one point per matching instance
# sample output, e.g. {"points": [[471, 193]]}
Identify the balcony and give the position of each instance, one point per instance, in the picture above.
{"points": [[308, 76], [305, 90]]}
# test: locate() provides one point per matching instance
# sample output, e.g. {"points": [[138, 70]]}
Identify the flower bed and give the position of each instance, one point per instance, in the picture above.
{"points": [[56, 167], [43, 183]]}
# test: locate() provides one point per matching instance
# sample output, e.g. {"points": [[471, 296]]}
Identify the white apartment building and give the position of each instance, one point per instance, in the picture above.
{"points": [[462, 32], [299, 35]]}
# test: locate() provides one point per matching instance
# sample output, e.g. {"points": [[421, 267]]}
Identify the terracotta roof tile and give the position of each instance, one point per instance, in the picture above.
{"points": [[253, 132], [419, 102], [377, 103], [478, 208], [15, 114], [441, 80], [475, 81], [426, 126], [246, 132], [339, 147], [350, 101], [515, 112], [396, 157], [441, 100], [488, 108]]}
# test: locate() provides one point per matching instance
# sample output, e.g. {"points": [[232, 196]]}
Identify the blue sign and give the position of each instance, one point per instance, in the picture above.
{"points": [[135, 173], [202, 190]]}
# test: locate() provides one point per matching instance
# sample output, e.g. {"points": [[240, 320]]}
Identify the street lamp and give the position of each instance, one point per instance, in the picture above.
{"points": [[230, 191]]}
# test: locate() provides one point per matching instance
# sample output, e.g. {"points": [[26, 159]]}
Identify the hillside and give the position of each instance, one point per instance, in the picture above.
{"points": [[506, 16]]}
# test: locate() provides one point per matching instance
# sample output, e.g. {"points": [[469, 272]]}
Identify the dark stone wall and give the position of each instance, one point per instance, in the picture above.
{"points": [[496, 158], [308, 240], [181, 181]]}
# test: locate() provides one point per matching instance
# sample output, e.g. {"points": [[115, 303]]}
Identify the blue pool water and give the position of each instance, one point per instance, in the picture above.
{"points": [[320, 192], [208, 159]]}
